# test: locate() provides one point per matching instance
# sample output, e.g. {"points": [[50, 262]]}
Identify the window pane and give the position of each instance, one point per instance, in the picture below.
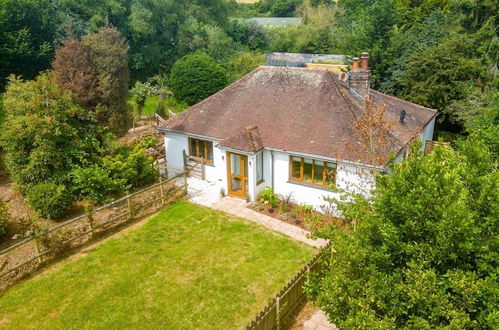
{"points": [[201, 149], [235, 164], [209, 150], [259, 166], [330, 174], [192, 150], [295, 167], [318, 171], [307, 169]]}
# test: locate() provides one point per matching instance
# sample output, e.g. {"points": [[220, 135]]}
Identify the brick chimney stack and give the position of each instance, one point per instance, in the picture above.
{"points": [[360, 78]]}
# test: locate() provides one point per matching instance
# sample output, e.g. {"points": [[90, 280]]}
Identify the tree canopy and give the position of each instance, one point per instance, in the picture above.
{"points": [[195, 77], [424, 252]]}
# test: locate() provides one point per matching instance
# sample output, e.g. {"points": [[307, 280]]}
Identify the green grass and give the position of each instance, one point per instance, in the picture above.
{"points": [[188, 267], [152, 103]]}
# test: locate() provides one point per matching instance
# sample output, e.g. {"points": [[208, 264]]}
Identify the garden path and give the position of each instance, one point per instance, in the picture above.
{"points": [[238, 207]]}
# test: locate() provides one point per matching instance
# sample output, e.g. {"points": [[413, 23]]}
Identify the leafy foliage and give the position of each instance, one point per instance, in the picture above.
{"points": [[195, 77], [109, 54], [127, 168], [46, 134], [4, 218], [74, 70], [424, 254], [26, 38], [269, 197], [95, 184], [50, 200]]}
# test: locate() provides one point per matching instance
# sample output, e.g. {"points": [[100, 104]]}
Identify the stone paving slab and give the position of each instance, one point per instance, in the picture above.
{"points": [[238, 207], [319, 321]]}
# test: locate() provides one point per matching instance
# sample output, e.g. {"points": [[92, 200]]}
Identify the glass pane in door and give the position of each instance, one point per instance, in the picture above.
{"points": [[235, 164], [236, 186]]}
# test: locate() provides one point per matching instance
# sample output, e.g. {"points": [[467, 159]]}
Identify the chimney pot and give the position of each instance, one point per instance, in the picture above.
{"points": [[355, 64], [402, 116], [365, 59]]}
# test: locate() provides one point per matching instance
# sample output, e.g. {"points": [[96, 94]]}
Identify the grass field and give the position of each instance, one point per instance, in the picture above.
{"points": [[188, 267]]}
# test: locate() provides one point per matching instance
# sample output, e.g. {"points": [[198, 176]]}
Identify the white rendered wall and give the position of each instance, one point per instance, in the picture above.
{"points": [[348, 177], [174, 144]]}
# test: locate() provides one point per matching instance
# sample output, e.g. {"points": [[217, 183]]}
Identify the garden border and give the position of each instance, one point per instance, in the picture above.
{"points": [[46, 246]]}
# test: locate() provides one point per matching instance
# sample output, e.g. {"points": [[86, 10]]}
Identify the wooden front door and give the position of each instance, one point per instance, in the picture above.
{"points": [[237, 177]]}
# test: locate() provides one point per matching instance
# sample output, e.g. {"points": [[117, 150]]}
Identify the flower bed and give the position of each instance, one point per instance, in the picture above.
{"points": [[284, 208]]}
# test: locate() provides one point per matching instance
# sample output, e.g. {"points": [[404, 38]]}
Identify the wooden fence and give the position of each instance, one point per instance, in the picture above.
{"points": [[290, 296], [24, 257]]}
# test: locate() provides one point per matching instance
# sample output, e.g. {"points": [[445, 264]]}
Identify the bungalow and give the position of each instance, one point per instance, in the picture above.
{"points": [[293, 129]]}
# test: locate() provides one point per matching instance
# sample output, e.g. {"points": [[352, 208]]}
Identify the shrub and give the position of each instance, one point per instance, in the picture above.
{"points": [[95, 183], [195, 77], [131, 165], [4, 218], [50, 200], [269, 197]]}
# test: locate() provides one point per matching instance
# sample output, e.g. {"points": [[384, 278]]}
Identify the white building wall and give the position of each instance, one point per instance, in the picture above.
{"points": [[348, 177], [174, 144]]}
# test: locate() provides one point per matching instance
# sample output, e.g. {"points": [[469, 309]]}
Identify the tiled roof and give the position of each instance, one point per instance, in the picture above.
{"points": [[247, 140], [297, 110]]}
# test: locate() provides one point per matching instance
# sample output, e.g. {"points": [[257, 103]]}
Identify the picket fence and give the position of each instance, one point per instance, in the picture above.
{"points": [[290, 296]]}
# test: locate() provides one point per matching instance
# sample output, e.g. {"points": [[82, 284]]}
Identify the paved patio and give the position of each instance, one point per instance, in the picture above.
{"points": [[238, 207]]}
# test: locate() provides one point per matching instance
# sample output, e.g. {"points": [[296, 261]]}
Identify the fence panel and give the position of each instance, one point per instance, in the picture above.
{"points": [[288, 298], [22, 258]]}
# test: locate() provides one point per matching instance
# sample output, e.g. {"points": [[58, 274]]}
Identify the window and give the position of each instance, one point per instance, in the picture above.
{"points": [[312, 171], [259, 168], [201, 149]]}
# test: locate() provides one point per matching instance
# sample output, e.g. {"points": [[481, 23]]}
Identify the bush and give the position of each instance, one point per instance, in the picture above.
{"points": [[131, 165], [50, 200], [4, 218], [95, 184], [195, 77], [269, 197], [127, 168]]}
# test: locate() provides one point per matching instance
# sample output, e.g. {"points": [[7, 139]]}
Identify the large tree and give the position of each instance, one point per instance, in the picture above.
{"points": [[27, 32], [45, 133], [108, 52], [75, 71], [195, 77], [424, 252]]}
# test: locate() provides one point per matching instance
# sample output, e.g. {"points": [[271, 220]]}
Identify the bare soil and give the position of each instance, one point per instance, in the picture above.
{"points": [[301, 314], [310, 221]]}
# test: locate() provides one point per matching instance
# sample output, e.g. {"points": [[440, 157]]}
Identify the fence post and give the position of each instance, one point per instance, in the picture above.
{"points": [[37, 249], [185, 160], [185, 182], [91, 222], [203, 174], [129, 203], [278, 312], [161, 189]]}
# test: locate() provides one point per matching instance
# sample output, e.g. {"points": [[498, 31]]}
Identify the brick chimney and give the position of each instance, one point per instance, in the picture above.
{"points": [[360, 78]]}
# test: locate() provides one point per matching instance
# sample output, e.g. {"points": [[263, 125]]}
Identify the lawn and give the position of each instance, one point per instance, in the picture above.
{"points": [[152, 103], [187, 267]]}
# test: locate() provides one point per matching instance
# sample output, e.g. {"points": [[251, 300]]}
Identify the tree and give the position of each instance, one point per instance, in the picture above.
{"points": [[109, 54], [45, 133], [26, 37], [425, 253], [195, 77], [74, 71]]}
